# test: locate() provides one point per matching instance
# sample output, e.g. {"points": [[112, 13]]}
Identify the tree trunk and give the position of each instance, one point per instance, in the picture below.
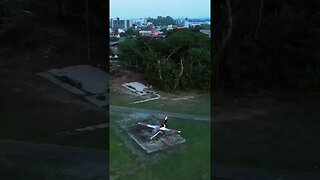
{"points": [[174, 51], [180, 74], [259, 21], [159, 69], [228, 35], [220, 53], [60, 11]]}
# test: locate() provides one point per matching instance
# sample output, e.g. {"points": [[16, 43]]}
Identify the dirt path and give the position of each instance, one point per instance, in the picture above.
{"points": [[241, 114]]}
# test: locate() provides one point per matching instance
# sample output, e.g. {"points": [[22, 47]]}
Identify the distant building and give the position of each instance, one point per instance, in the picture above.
{"points": [[120, 24], [113, 32], [186, 23], [121, 31], [145, 28], [140, 21], [151, 33], [156, 32], [145, 33]]}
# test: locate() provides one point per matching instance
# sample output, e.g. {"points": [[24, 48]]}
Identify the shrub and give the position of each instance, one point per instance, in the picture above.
{"points": [[72, 82], [101, 97]]}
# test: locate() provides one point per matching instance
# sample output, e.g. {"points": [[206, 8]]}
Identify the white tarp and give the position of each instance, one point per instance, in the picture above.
{"points": [[93, 79], [137, 87]]}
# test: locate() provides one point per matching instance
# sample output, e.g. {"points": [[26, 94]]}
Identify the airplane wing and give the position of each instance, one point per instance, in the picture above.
{"points": [[169, 130], [155, 135], [147, 125]]}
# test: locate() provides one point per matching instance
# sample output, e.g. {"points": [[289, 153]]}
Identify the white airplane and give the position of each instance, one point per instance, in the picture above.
{"points": [[159, 129]]}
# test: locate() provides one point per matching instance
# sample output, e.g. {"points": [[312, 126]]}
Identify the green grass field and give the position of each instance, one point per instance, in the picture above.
{"points": [[200, 105], [190, 160]]}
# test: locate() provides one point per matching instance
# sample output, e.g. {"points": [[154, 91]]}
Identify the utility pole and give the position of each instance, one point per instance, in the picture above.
{"points": [[88, 30]]}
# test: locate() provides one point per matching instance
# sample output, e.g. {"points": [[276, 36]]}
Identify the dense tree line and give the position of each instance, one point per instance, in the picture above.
{"points": [[267, 45], [162, 21], [3, 13], [179, 61], [71, 12], [131, 31]]}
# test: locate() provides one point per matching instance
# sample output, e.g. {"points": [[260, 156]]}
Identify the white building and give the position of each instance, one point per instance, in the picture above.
{"points": [[120, 24], [145, 33]]}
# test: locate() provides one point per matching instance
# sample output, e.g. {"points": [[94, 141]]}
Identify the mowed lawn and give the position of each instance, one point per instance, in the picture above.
{"points": [[190, 160], [287, 139], [199, 105]]}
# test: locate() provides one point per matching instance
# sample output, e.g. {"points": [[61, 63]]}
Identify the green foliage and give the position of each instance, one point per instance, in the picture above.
{"points": [[72, 82], [162, 21], [3, 14], [74, 12], [206, 27], [165, 31], [130, 32], [180, 61], [112, 39], [101, 97], [279, 53]]}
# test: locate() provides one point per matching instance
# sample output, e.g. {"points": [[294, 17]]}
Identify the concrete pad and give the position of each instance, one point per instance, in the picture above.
{"points": [[136, 87], [141, 135], [62, 84], [93, 80], [101, 126], [89, 128], [93, 99]]}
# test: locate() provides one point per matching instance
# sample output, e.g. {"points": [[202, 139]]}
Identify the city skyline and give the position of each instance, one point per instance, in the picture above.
{"points": [[126, 9]]}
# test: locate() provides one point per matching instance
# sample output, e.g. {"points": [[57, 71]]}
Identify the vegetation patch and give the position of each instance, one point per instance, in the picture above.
{"points": [[181, 60], [101, 97], [70, 81]]}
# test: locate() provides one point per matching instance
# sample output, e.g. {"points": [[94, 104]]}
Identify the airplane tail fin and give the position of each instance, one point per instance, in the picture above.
{"points": [[165, 120]]}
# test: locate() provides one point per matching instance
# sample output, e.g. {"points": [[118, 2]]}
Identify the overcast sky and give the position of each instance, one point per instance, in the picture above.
{"points": [[129, 9]]}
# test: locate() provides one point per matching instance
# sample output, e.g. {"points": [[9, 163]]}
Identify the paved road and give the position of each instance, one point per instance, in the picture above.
{"points": [[118, 109]]}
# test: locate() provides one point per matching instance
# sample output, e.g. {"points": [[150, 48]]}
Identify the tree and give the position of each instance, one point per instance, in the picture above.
{"points": [[162, 21], [131, 31], [272, 45], [180, 61], [2, 14]]}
